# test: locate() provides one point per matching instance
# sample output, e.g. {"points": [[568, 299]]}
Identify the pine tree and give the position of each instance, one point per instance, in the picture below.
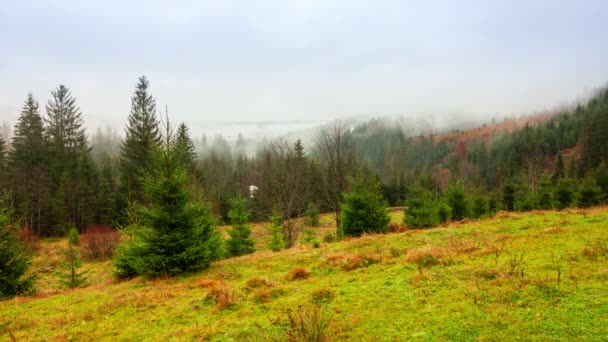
{"points": [[240, 241], [14, 261], [142, 136], [185, 146], [364, 208], [179, 234], [27, 164], [67, 142]]}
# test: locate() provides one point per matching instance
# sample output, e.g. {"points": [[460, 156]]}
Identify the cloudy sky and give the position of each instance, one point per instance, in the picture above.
{"points": [[217, 63]]}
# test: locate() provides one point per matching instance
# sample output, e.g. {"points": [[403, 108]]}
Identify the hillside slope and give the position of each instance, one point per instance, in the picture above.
{"points": [[540, 275]]}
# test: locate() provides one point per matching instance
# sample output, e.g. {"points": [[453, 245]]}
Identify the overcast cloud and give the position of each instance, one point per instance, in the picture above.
{"points": [[217, 62]]}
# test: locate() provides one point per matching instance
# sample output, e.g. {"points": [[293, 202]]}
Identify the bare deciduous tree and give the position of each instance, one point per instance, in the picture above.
{"points": [[337, 163], [284, 184]]}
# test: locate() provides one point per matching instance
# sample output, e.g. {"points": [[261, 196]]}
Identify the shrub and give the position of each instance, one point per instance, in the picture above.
{"points": [[99, 242], [315, 243], [240, 241], [297, 273], [364, 208]]}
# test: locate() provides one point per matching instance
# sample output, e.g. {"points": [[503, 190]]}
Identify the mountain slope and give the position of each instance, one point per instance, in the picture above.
{"points": [[540, 275]]}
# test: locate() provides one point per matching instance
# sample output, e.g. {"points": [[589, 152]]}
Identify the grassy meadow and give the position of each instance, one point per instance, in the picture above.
{"points": [[529, 276]]}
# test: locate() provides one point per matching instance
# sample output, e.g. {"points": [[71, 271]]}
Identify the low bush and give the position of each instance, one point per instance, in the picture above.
{"points": [[99, 242]]}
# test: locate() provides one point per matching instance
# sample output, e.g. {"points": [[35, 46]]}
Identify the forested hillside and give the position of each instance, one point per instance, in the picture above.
{"points": [[156, 204], [55, 175]]}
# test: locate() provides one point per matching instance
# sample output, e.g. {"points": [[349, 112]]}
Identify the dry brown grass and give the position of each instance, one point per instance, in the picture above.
{"points": [[297, 273], [349, 262], [257, 282]]}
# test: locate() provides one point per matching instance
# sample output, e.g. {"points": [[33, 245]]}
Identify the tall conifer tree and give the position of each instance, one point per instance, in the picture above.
{"points": [[28, 172], [142, 136], [67, 143]]}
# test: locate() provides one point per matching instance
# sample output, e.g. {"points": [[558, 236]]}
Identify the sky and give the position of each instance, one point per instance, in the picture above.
{"points": [[258, 66]]}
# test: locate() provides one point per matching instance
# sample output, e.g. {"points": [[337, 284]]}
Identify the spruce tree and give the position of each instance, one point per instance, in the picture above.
{"points": [[457, 201], [141, 138], [564, 193], [421, 210], [70, 275], [544, 194], [185, 146], [106, 199], [14, 261], [560, 169], [589, 193], [240, 241], [179, 232], [364, 208], [276, 242], [508, 196], [28, 171], [67, 143]]}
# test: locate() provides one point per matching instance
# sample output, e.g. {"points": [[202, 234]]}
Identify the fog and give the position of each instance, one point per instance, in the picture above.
{"points": [[273, 68]]}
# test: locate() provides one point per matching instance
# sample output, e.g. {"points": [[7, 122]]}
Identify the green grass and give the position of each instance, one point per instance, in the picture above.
{"points": [[494, 279]]}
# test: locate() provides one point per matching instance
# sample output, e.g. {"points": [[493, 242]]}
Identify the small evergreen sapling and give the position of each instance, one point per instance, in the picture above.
{"points": [[276, 242], [71, 276], [312, 215], [240, 241], [589, 193], [421, 210], [364, 208]]}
